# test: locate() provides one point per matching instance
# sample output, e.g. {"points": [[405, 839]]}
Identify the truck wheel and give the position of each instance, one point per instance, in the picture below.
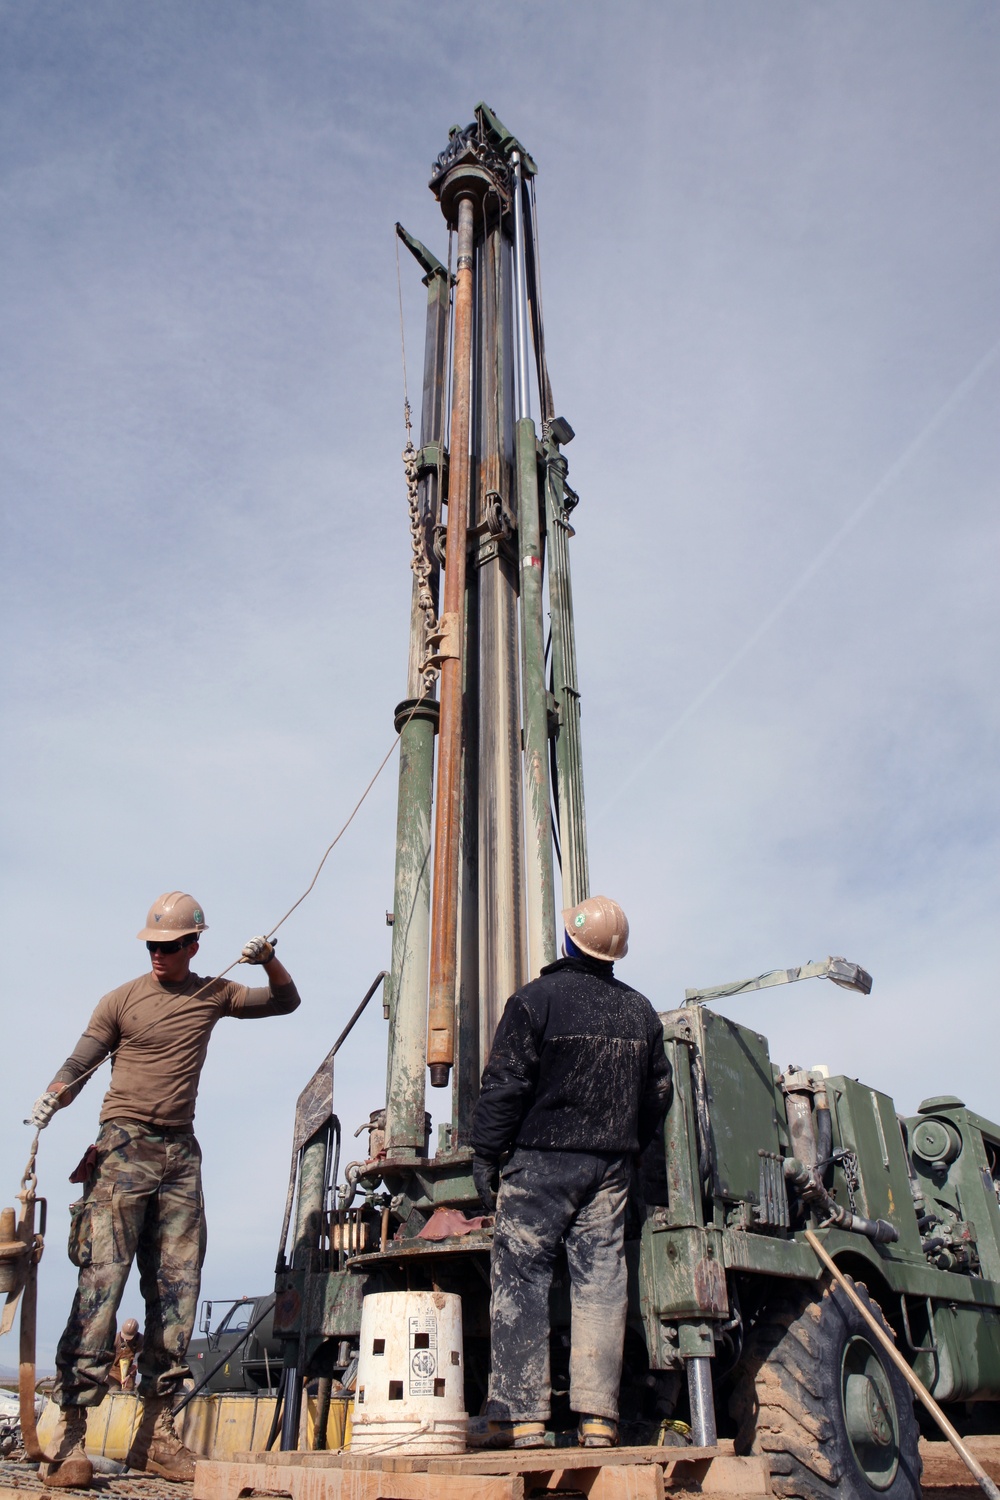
{"points": [[819, 1399]]}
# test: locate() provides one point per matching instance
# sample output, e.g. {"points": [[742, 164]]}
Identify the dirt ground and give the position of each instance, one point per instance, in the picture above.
{"points": [[18, 1481]]}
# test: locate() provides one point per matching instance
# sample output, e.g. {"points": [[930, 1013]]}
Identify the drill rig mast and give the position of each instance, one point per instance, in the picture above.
{"points": [[474, 909]]}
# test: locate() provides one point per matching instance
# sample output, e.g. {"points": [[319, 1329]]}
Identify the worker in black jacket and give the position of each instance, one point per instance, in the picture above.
{"points": [[576, 1084]]}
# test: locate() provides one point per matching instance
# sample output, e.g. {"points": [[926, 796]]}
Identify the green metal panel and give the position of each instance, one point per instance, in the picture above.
{"points": [[741, 1100], [335, 1303], [864, 1121], [966, 1363], [962, 1191]]}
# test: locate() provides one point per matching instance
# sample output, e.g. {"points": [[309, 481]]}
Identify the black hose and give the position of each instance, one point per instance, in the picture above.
{"points": [[824, 1139], [806, 1182], [190, 1395], [702, 1120], [276, 1418]]}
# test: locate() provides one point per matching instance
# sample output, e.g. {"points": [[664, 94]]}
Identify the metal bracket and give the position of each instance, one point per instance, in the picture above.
{"points": [[932, 1347], [430, 458], [446, 641]]}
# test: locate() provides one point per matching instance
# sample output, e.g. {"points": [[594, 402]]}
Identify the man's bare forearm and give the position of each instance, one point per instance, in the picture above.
{"points": [[86, 1055], [277, 974]]}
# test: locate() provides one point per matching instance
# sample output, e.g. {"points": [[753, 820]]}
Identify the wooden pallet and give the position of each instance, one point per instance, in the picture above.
{"points": [[609, 1474]]}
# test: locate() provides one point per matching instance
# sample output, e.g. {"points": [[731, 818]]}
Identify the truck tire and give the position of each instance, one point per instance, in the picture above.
{"points": [[818, 1398]]}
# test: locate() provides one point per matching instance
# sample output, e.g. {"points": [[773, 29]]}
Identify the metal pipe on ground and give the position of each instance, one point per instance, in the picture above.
{"points": [[444, 899], [913, 1381]]}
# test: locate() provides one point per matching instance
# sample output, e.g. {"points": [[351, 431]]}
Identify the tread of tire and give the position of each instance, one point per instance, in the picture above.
{"points": [[779, 1405]]}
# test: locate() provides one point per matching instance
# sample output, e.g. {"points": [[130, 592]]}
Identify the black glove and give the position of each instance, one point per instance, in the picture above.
{"points": [[486, 1176]]}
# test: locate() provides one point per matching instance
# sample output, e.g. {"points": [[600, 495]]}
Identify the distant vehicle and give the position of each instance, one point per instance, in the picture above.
{"points": [[256, 1361]]}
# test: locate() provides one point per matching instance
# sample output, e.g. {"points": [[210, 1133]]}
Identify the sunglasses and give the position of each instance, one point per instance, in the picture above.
{"points": [[174, 947]]}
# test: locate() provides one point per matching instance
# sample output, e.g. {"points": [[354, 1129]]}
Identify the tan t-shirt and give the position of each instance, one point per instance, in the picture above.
{"points": [[162, 1032]]}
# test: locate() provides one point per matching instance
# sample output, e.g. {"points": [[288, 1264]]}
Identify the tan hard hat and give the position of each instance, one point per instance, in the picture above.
{"points": [[130, 1328], [598, 927], [172, 916]]}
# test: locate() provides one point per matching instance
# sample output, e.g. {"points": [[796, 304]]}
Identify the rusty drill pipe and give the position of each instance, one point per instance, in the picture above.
{"points": [[444, 909]]}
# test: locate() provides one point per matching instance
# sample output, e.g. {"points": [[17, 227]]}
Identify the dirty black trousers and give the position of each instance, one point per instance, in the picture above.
{"points": [[144, 1203], [549, 1198]]}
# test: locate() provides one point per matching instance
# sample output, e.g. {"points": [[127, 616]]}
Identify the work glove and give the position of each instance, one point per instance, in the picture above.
{"points": [[486, 1176], [43, 1109], [259, 950]]}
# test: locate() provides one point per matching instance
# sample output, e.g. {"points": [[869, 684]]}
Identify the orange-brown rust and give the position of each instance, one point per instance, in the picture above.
{"points": [[444, 908]]}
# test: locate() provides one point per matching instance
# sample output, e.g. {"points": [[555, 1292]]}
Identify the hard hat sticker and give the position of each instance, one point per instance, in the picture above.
{"points": [[579, 919]]}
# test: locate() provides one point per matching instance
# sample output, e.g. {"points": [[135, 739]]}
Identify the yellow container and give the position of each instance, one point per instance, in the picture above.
{"points": [[213, 1426]]}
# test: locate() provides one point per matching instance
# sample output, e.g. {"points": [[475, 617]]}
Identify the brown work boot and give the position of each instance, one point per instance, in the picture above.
{"points": [[69, 1467], [156, 1448], [597, 1432]]}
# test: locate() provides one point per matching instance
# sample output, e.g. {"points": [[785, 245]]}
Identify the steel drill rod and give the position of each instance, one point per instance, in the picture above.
{"points": [[447, 820], [539, 874], [702, 1401], [569, 755], [407, 1065], [913, 1381], [520, 297]]}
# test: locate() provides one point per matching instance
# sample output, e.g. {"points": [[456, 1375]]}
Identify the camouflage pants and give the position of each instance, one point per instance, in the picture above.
{"points": [[548, 1198], [144, 1203]]}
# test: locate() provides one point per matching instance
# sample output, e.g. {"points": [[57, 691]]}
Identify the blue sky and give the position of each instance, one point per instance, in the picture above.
{"points": [[770, 236]]}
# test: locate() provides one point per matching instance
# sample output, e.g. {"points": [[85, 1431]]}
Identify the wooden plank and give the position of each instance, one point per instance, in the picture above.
{"points": [[600, 1474], [491, 1460], [229, 1481], [943, 1469], [723, 1475]]}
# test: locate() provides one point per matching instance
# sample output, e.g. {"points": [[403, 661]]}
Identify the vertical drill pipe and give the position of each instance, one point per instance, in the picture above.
{"points": [[444, 933], [699, 1379], [468, 1059], [405, 1092], [502, 927], [539, 884], [569, 754], [520, 297], [407, 1060]]}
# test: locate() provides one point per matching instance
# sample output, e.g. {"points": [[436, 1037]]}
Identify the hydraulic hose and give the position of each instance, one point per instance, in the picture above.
{"points": [[808, 1184], [824, 1136]]}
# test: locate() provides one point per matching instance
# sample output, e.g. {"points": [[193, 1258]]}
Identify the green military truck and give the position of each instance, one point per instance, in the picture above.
{"points": [[734, 1328], [909, 1210], [240, 1353]]}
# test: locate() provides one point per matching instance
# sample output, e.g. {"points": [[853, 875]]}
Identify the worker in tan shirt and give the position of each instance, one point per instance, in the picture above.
{"points": [[143, 1198]]}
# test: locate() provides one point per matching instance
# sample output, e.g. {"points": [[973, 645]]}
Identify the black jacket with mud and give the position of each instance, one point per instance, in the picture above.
{"points": [[577, 1064]]}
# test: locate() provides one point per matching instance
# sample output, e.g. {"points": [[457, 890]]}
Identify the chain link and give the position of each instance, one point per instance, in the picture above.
{"points": [[420, 561]]}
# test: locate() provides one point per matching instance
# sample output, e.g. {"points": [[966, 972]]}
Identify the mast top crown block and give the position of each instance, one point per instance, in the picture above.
{"points": [[476, 163]]}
